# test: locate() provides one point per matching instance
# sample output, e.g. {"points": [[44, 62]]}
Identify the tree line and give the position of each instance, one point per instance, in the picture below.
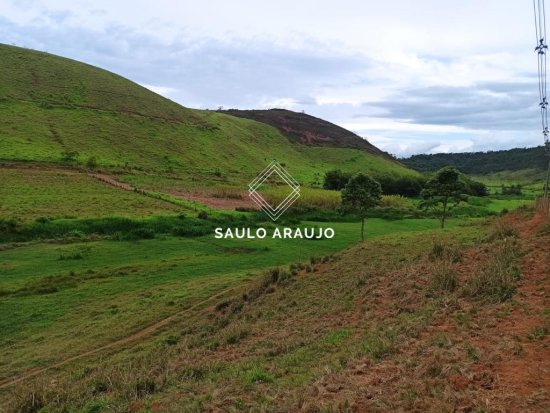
{"points": [[409, 186], [481, 163]]}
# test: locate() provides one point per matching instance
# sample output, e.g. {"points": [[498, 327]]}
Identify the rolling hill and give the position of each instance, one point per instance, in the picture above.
{"points": [[57, 110], [309, 130], [482, 163]]}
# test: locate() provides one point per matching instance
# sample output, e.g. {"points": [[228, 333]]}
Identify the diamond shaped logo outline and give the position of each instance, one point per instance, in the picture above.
{"points": [[260, 179], [274, 212]]}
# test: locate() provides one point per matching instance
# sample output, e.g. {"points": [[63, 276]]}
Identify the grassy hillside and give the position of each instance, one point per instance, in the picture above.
{"points": [[73, 295], [58, 110], [30, 193], [425, 321]]}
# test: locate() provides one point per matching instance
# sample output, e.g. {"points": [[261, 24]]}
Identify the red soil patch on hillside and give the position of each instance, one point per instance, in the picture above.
{"points": [[219, 203], [499, 360]]}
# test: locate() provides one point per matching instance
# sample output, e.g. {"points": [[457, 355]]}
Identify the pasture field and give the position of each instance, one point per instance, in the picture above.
{"points": [[29, 193], [158, 278], [60, 299]]}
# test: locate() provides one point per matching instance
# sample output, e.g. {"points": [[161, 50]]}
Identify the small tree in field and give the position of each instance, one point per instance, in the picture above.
{"points": [[443, 191], [361, 193]]}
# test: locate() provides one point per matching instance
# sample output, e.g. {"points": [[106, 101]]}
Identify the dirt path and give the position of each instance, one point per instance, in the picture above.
{"points": [[120, 342], [218, 203], [108, 179]]}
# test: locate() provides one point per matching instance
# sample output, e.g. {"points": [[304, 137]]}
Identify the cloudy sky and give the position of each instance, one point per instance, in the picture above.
{"points": [[419, 76]]}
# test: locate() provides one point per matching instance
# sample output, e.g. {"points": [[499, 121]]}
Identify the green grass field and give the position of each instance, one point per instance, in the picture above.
{"points": [[29, 193], [117, 288], [62, 299], [84, 263]]}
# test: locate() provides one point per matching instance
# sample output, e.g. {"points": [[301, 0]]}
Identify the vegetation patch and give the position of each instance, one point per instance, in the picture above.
{"points": [[496, 279]]}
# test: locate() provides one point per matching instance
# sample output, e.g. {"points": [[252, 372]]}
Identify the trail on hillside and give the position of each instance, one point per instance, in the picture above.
{"points": [[120, 342], [218, 202], [108, 179]]}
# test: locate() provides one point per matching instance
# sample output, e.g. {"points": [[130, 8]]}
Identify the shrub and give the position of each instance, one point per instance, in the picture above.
{"points": [[31, 402], [401, 185], [496, 280], [190, 231], [503, 229], [69, 156], [91, 162], [443, 251], [511, 190], [444, 277], [142, 233], [9, 225], [394, 201], [143, 386], [336, 180]]}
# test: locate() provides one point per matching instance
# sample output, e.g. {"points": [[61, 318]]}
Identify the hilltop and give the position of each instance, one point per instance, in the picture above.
{"points": [[58, 110], [483, 163], [309, 130]]}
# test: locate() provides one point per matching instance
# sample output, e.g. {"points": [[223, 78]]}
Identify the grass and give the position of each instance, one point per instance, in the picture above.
{"points": [[28, 193], [309, 197], [276, 342], [496, 279], [107, 289], [52, 107]]}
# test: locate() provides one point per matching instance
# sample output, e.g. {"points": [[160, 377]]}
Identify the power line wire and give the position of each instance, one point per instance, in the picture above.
{"points": [[539, 11]]}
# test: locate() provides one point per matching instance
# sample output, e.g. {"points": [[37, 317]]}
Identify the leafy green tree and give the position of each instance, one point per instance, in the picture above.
{"points": [[361, 193], [336, 180], [444, 191]]}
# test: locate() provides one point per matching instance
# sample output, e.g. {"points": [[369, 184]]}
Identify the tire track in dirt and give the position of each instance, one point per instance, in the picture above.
{"points": [[120, 342]]}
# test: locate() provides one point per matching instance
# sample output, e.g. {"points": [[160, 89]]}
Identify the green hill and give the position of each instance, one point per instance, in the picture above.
{"points": [[482, 163], [57, 110]]}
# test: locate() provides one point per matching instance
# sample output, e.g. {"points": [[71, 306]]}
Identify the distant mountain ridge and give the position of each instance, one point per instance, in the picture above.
{"points": [[482, 163]]}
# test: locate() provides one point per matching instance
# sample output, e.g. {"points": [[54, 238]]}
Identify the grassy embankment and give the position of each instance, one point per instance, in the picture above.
{"points": [[276, 339]]}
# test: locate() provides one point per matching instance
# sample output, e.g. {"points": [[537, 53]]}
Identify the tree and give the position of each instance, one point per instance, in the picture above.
{"points": [[336, 180], [361, 193], [443, 191]]}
